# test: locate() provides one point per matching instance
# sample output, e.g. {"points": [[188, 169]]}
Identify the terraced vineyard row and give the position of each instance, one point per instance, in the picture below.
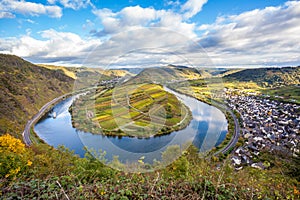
{"points": [[136, 110]]}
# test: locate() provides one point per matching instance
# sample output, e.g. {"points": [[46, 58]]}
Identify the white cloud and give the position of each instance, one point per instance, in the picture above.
{"points": [[258, 37], [127, 19], [175, 22], [88, 24], [109, 21], [4, 14], [73, 4], [136, 15], [172, 3], [30, 21], [192, 7], [132, 18], [134, 31], [262, 36], [28, 8], [136, 36], [145, 47], [55, 46]]}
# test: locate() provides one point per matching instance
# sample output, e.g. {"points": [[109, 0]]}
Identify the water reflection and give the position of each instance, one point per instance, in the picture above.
{"points": [[207, 129]]}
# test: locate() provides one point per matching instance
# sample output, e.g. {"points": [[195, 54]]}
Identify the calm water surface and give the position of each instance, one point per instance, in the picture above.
{"points": [[207, 129]]}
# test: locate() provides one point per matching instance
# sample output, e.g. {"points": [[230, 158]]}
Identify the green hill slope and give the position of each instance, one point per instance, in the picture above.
{"points": [[166, 74], [25, 88], [267, 77], [86, 77]]}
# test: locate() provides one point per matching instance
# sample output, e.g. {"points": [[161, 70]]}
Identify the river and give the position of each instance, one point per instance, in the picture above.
{"points": [[207, 129]]}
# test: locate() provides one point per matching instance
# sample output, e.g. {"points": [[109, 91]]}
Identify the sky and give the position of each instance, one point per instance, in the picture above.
{"points": [[148, 33]]}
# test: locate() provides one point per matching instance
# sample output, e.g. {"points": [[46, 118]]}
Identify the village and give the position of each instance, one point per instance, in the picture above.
{"points": [[267, 125]]}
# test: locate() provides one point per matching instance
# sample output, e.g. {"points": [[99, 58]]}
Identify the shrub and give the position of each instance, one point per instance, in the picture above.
{"points": [[14, 157]]}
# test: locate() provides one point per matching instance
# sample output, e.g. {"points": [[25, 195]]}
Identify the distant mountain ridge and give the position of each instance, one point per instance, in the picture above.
{"points": [[134, 71], [267, 77], [85, 77], [74, 72], [166, 74]]}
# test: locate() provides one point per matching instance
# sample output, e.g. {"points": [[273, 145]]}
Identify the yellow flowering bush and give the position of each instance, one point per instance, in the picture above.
{"points": [[13, 156], [9, 143]]}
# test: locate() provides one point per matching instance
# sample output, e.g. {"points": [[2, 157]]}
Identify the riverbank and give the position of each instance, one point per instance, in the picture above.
{"points": [[207, 128], [233, 133], [148, 111], [28, 133]]}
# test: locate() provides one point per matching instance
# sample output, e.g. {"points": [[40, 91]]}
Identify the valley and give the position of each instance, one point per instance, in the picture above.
{"points": [[154, 100], [141, 110]]}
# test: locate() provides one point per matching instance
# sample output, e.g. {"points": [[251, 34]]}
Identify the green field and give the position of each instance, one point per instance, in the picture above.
{"points": [[286, 93], [141, 110], [205, 89]]}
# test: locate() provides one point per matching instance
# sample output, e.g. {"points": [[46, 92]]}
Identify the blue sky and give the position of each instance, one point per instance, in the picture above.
{"points": [[129, 33]]}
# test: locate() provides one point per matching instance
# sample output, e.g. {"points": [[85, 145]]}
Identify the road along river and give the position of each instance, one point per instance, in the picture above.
{"points": [[207, 129]]}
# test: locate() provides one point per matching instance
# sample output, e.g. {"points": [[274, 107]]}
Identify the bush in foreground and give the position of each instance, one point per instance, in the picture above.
{"points": [[58, 174]]}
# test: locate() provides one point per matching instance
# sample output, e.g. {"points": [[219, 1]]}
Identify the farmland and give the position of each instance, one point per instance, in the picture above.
{"points": [[141, 110]]}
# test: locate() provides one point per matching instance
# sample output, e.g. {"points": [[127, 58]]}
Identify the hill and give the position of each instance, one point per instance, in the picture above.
{"points": [[134, 71], [85, 77], [170, 73], [25, 88], [75, 72], [267, 77], [42, 172]]}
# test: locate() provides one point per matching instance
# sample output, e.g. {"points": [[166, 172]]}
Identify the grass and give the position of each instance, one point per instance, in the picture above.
{"points": [[287, 93], [204, 89], [57, 174], [65, 70], [140, 110]]}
